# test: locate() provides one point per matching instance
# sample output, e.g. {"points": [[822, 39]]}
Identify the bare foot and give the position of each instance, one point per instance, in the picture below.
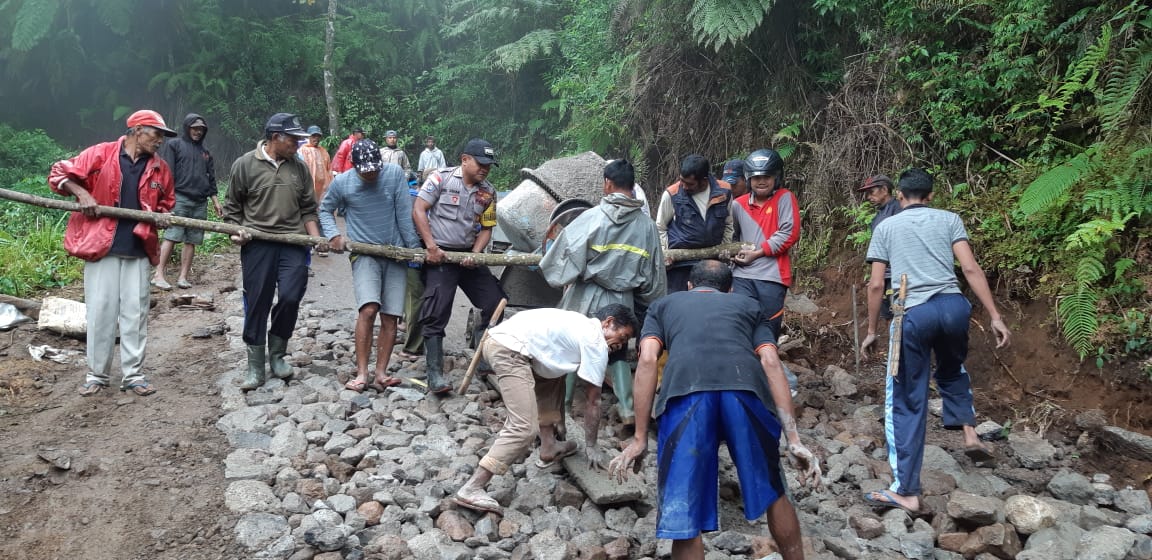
{"points": [[562, 449]]}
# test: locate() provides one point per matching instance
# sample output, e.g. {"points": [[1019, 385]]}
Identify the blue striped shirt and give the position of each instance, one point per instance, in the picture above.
{"points": [[379, 213]]}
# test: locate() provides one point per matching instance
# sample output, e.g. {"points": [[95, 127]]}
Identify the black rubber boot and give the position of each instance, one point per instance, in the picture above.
{"points": [[434, 355], [255, 376], [277, 350]]}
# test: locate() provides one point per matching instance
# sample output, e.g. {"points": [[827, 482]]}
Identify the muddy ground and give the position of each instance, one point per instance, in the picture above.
{"points": [[145, 474]]}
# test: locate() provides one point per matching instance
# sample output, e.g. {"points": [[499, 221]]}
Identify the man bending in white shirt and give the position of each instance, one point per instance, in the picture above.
{"points": [[532, 353]]}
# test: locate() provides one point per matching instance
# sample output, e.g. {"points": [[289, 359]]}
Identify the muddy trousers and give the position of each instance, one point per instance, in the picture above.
{"points": [[116, 294], [531, 401], [272, 270], [938, 326]]}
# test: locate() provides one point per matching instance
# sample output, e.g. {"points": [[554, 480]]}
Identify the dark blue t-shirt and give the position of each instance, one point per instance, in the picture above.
{"points": [[125, 243], [711, 338]]}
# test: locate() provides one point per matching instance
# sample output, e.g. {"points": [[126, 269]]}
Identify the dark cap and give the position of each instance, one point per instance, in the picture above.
{"points": [[366, 156], [876, 181], [481, 151], [198, 123], [733, 171], [315, 131], [285, 123], [390, 133], [357, 129]]}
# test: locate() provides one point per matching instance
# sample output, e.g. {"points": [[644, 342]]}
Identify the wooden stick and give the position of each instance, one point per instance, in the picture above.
{"points": [[855, 330], [479, 345], [388, 251], [898, 328]]}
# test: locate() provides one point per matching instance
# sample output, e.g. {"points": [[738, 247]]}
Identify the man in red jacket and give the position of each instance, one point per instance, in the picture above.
{"points": [[119, 252], [343, 160]]}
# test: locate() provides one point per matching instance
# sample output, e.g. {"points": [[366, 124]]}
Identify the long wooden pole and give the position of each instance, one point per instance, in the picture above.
{"points": [[388, 251]]}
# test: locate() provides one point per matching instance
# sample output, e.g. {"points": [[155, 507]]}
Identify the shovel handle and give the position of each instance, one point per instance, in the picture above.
{"points": [[480, 344]]}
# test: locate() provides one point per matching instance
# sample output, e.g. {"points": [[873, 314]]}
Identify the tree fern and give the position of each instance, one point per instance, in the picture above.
{"points": [[1077, 312], [33, 21], [1052, 184], [1081, 76], [716, 23], [513, 56], [477, 22]]}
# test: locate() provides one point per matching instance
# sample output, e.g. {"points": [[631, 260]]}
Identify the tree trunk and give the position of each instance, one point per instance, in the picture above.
{"points": [[388, 251], [329, 75]]}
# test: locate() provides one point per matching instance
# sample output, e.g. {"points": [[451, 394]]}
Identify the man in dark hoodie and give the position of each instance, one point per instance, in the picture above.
{"points": [[609, 254], [195, 177]]}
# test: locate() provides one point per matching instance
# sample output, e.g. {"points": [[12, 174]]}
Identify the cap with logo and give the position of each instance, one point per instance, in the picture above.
{"points": [[481, 151], [366, 156], [390, 133], [198, 123], [285, 123], [733, 171], [146, 117], [876, 181], [315, 131]]}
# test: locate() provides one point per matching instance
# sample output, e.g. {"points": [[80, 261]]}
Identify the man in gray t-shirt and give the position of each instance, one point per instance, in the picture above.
{"points": [[923, 244]]}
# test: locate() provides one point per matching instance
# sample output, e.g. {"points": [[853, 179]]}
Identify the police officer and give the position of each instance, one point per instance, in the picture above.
{"points": [[455, 210]]}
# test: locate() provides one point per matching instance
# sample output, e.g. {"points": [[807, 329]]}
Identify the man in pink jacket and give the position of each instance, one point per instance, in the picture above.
{"points": [[118, 252]]}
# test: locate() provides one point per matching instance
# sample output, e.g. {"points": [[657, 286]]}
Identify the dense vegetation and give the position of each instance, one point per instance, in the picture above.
{"points": [[1035, 115]]}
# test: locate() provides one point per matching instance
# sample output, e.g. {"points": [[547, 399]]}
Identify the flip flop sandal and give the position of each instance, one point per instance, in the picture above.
{"points": [[139, 389], [184, 284], [482, 502], [979, 454], [889, 502], [162, 285], [390, 382], [91, 388], [355, 385], [568, 452]]}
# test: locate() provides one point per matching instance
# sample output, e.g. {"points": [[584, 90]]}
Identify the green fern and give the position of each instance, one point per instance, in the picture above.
{"points": [[1080, 77], [1052, 184], [716, 23], [477, 22], [33, 21], [1126, 86], [513, 56], [1077, 311]]}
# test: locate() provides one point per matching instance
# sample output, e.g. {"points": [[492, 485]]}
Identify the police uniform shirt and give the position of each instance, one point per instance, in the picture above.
{"points": [[458, 211]]}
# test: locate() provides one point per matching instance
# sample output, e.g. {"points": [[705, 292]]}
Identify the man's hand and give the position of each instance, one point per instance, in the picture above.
{"points": [[434, 255], [668, 261], [1003, 336], [163, 221], [322, 246], [632, 458], [597, 457], [468, 262], [88, 205], [804, 461], [241, 238], [218, 207], [336, 244], [868, 342]]}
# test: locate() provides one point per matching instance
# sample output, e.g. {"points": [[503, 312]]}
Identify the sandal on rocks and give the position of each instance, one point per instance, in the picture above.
{"points": [[388, 382], [355, 385], [479, 502], [569, 450], [979, 453], [161, 284], [183, 284], [139, 389], [91, 388]]}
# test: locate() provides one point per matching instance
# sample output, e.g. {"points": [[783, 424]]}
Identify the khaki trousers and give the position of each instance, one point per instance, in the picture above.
{"points": [[116, 294], [531, 401]]}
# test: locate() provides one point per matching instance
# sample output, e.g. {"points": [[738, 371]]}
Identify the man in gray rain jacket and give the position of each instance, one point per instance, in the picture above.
{"points": [[609, 254]]}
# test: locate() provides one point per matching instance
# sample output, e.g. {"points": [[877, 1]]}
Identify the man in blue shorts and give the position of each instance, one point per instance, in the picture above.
{"points": [[723, 382], [923, 244], [377, 209]]}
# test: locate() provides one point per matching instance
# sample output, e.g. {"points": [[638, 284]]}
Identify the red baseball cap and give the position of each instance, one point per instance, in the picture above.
{"points": [[145, 117], [876, 181]]}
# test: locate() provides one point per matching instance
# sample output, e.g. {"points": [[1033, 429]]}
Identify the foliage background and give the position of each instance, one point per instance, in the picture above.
{"points": [[1034, 115]]}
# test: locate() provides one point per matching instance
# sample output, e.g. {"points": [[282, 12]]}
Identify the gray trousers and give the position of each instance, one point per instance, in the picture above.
{"points": [[116, 294]]}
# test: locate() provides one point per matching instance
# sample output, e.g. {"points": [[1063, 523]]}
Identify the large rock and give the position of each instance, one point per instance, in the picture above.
{"points": [[999, 540], [1033, 451], [548, 546], [1028, 514], [1124, 442], [454, 525], [249, 419], [601, 489], [974, 509], [1058, 542], [1105, 543], [256, 531], [918, 546], [936, 458], [247, 496], [1072, 487], [732, 541], [248, 464], [326, 539], [1134, 502], [288, 443]]}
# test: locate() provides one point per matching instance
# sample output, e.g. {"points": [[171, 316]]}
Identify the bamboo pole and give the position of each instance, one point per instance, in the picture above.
{"points": [[388, 251]]}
